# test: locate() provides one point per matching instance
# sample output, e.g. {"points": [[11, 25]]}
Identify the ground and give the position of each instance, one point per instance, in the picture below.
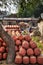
{"points": [[4, 63]]}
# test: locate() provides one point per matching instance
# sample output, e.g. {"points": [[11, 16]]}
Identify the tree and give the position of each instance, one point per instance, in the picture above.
{"points": [[11, 44], [28, 8], [38, 11], [8, 6], [25, 8]]}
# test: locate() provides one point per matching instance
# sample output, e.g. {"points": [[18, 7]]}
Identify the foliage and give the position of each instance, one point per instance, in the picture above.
{"points": [[37, 40], [26, 8], [29, 8]]}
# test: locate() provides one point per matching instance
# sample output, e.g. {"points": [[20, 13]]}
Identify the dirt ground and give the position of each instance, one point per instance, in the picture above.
{"points": [[4, 63]]}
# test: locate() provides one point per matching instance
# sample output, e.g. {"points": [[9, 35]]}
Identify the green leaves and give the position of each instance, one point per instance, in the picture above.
{"points": [[37, 40], [28, 8]]}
